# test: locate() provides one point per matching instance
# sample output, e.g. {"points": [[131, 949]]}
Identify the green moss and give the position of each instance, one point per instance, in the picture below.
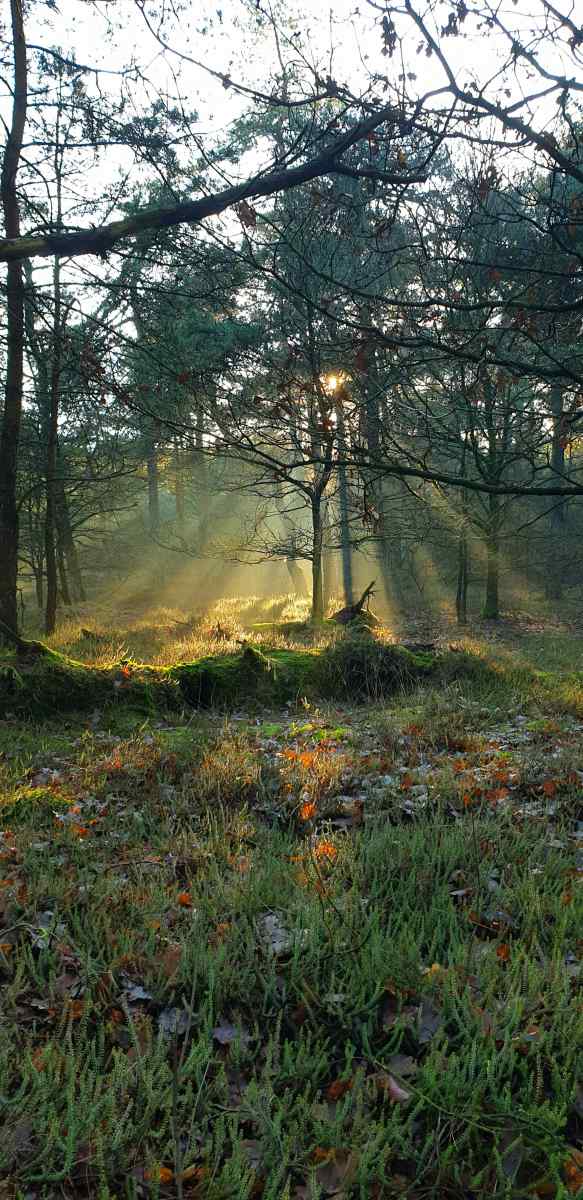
{"points": [[229, 678], [356, 666], [49, 682]]}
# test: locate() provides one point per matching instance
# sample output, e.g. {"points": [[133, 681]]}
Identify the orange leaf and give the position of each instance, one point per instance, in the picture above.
{"points": [[339, 1088], [459, 765], [503, 951], [496, 794], [326, 850], [75, 1009], [198, 1173], [80, 830], [502, 776], [549, 787], [38, 1058], [573, 1169], [170, 959], [159, 1175], [307, 811], [320, 1155], [407, 782], [567, 898], [185, 899], [220, 933]]}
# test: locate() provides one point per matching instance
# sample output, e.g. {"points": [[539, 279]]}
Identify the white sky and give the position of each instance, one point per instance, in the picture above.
{"points": [[345, 39]]}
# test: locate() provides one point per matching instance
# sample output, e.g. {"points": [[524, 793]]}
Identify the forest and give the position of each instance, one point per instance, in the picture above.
{"points": [[291, 563]]}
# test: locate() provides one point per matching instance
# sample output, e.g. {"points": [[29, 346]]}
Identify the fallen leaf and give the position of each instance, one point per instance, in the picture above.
{"points": [[173, 1021], [512, 1149], [226, 1034], [134, 992], [338, 1088], [573, 1169], [389, 1084], [402, 1064], [169, 959], [325, 851], [337, 1172], [428, 1022], [159, 1175]]}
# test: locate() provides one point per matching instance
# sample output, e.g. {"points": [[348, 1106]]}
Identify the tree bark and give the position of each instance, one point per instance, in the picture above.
{"points": [[296, 575], [39, 587], [178, 487], [344, 507], [67, 541], [153, 492], [63, 580], [492, 598], [554, 579], [10, 432], [103, 238], [317, 565], [461, 599], [51, 460], [374, 485]]}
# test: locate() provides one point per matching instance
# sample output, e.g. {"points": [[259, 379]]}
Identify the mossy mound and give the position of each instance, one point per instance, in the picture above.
{"points": [[355, 667], [224, 679], [44, 682], [359, 667]]}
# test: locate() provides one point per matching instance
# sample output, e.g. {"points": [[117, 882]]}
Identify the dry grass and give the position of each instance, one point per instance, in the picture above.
{"points": [[164, 635]]}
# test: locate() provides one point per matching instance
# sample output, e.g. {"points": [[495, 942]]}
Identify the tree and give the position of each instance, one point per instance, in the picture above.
{"points": [[10, 431]]}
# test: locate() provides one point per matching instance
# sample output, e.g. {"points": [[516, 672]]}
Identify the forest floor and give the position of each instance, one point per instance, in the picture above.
{"points": [[322, 951]]}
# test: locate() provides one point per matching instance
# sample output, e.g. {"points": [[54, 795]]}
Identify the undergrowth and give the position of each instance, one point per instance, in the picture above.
{"points": [[312, 953]]}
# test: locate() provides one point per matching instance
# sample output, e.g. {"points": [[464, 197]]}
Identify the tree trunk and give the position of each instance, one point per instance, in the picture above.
{"points": [[558, 514], [202, 484], [491, 604], [67, 542], [344, 506], [461, 599], [10, 432], [296, 575], [51, 461], [178, 488], [317, 572], [64, 582], [39, 587], [330, 584], [153, 493], [374, 485], [492, 601]]}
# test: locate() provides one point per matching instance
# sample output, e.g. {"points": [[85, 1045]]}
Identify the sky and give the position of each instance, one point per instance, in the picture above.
{"points": [[344, 40]]}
